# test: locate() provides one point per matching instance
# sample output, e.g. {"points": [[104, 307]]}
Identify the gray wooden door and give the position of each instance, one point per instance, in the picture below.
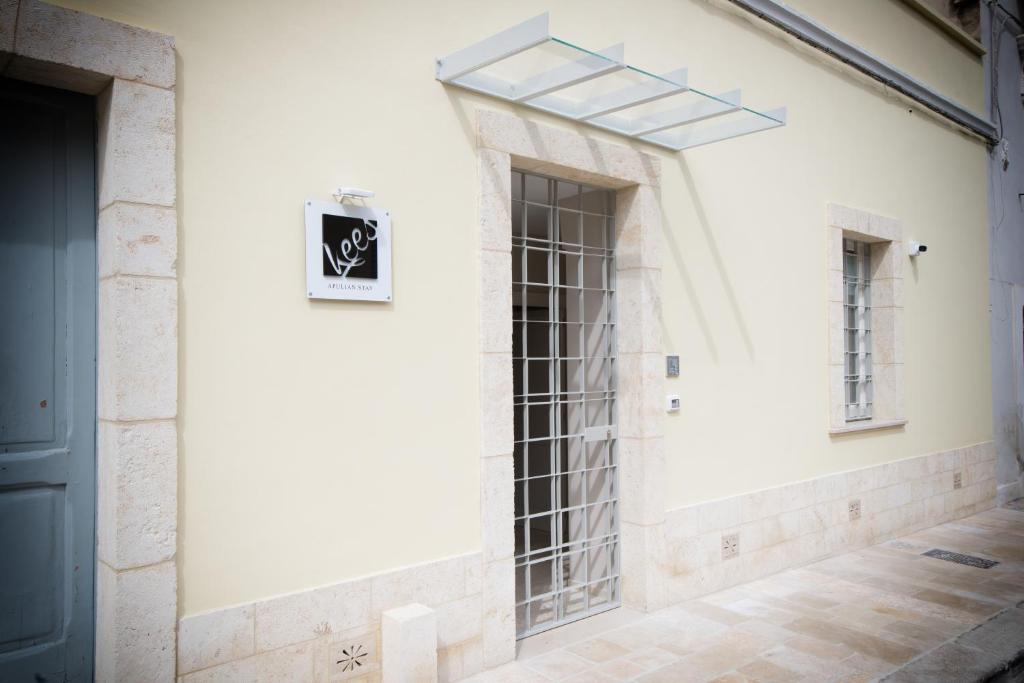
{"points": [[47, 383]]}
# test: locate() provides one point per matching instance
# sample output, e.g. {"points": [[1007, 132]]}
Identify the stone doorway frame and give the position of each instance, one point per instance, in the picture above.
{"points": [[131, 72], [504, 141]]}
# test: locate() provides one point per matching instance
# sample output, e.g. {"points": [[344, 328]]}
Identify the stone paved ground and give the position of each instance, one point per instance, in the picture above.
{"points": [[855, 617]]}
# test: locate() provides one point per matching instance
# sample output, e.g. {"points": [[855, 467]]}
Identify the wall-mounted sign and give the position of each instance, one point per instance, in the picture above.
{"points": [[348, 252]]}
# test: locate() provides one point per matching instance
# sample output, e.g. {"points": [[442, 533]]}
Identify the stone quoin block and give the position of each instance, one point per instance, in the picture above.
{"points": [[136, 145], [138, 349], [137, 480], [496, 407], [495, 303], [136, 611], [69, 38], [641, 395], [499, 620], [496, 507], [564, 153], [642, 480], [639, 310], [137, 240], [495, 170], [409, 637], [645, 567], [638, 222]]}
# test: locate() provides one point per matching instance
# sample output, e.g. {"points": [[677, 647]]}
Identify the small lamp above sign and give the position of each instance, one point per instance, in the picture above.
{"points": [[355, 192], [348, 250]]}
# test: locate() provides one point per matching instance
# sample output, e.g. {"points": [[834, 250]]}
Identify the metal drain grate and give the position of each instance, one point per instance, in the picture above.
{"points": [[959, 558]]}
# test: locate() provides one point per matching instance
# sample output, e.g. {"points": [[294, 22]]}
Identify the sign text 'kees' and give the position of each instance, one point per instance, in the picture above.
{"points": [[349, 249], [348, 252]]}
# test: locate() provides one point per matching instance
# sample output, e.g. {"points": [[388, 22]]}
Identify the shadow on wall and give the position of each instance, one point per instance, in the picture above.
{"points": [[723, 275]]}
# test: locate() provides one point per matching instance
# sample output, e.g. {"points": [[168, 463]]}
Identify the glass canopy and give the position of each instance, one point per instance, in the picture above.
{"points": [[526, 65]]}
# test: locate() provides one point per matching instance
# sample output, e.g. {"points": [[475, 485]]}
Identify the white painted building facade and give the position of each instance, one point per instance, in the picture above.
{"points": [[276, 472]]}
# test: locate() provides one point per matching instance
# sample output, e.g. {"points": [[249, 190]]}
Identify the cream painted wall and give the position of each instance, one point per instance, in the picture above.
{"points": [[322, 441], [895, 32]]}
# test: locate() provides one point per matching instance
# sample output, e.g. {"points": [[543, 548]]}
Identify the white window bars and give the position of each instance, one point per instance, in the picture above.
{"points": [[857, 329], [525, 64], [564, 390]]}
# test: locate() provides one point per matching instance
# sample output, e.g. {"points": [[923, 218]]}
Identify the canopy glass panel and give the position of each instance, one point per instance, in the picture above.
{"points": [[526, 65]]}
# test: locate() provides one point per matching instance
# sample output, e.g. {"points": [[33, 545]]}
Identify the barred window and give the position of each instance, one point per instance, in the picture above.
{"points": [[857, 324]]}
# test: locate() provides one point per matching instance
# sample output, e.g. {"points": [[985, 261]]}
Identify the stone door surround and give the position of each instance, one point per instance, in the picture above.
{"points": [[505, 141], [132, 73]]}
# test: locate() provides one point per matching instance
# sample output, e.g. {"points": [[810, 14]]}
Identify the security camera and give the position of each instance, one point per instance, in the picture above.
{"points": [[916, 248]]}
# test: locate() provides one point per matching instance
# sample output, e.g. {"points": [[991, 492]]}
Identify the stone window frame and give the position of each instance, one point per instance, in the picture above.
{"points": [[131, 71], [885, 235], [504, 142]]}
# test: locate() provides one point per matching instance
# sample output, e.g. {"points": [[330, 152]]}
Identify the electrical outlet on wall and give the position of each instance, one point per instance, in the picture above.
{"points": [[855, 509], [958, 480], [730, 546]]}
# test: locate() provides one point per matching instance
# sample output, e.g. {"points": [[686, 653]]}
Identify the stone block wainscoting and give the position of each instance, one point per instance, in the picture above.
{"points": [[333, 633], [313, 635], [779, 528]]}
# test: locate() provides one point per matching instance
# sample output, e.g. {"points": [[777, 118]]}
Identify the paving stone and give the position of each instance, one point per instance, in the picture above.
{"points": [[653, 658], [808, 666], [869, 665], [881, 611], [590, 677], [820, 648], [763, 670], [715, 613], [598, 650], [558, 664], [641, 635], [921, 636], [957, 602], [861, 642], [731, 677], [621, 669], [951, 662]]}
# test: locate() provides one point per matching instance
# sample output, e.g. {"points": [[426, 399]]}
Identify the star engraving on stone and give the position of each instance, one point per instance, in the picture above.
{"points": [[353, 657]]}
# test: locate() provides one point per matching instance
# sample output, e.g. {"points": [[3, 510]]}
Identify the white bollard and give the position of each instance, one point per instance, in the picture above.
{"points": [[409, 645]]}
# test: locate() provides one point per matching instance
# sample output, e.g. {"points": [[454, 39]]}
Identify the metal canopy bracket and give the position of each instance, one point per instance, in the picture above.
{"points": [[671, 83], [686, 139], [691, 113], [525, 64], [511, 41], [559, 78]]}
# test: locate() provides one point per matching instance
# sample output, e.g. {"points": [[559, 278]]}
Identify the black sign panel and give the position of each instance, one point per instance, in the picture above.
{"points": [[350, 247]]}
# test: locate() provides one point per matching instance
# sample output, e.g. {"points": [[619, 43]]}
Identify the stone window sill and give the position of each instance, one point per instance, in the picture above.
{"points": [[866, 426]]}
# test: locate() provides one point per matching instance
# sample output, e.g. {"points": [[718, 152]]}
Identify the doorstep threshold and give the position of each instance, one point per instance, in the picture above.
{"points": [[575, 632]]}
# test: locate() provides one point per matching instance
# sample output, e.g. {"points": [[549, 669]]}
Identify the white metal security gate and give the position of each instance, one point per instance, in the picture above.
{"points": [[566, 477]]}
